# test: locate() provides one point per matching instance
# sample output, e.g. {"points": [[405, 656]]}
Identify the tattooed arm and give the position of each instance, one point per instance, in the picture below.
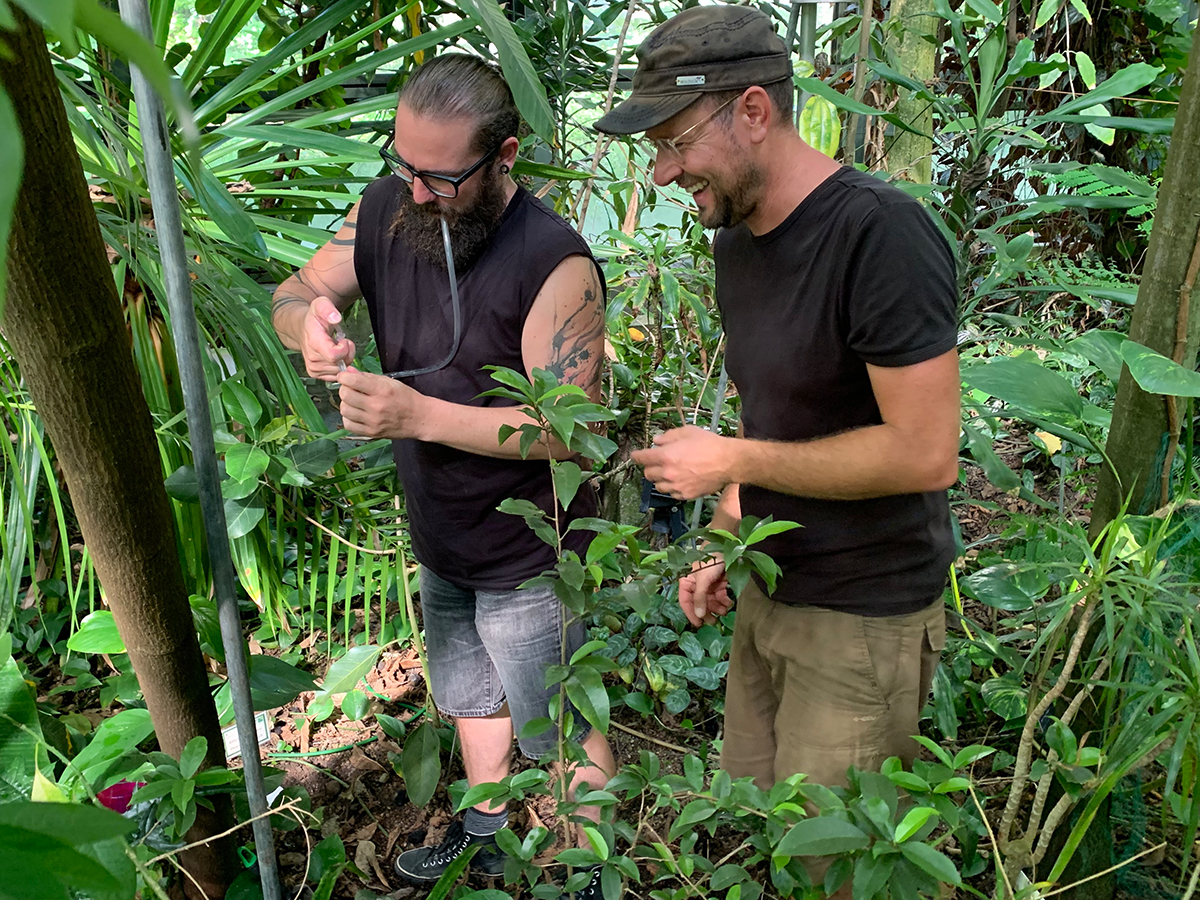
{"points": [[564, 333], [308, 305]]}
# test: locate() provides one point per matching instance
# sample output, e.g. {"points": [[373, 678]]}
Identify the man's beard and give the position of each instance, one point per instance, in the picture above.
{"points": [[734, 202], [471, 229]]}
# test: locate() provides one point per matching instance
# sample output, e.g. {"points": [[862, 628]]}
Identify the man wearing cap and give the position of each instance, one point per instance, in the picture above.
{"points": [[837, 294]]}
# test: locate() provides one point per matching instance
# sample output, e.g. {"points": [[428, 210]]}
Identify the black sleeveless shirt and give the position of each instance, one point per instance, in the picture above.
{"points": [[451, 495]]}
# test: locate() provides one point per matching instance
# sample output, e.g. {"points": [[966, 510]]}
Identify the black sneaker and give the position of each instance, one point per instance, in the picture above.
{"points": [[426, 864], [590, 891]]}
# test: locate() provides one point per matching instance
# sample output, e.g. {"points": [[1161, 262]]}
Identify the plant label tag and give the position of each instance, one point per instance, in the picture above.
{"points": [[233, 747], [688, 80]]}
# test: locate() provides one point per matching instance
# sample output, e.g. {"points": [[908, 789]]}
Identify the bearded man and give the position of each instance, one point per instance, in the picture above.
{"points": [[837, 295], [529, 295]]}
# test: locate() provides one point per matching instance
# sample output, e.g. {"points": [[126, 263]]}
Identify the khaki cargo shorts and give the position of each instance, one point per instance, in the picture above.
{"points": [[815, 690]]}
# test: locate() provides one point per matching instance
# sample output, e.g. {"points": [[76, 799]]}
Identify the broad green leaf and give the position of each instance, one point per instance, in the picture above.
{"points": [[182, 485], [1126, 81], [246, 462], [1026, 385], [818, 88], [567, 478], [355, 705], [242, 515], [12, 151], [994, 468], [422, 764], [231, 16], [345, 674], [821, 836], [241, 404], [115, 737], [314, 458], [1087, 69], [1006, 697], [1007, 586], [225, 210], [1046, 12], [527, 88], [988, 10], [392, 727], [97, 633], [931, 861], [586, 690], [70, 823], [1103, 350], [1156, 374], [914, 820], [192, 756], [44, 867], [764, 530]]}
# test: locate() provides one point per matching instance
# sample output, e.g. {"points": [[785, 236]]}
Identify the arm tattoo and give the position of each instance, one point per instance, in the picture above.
{"points": [[573, 355], [282, 300], [344, 242]]}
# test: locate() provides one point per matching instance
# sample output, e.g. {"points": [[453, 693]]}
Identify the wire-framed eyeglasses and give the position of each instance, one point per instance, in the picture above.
{"points": [[676, 146], [439, 184]]}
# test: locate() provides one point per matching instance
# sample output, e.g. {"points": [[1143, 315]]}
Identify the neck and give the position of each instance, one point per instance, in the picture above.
{"points": [[510, 188], [793, 171]]}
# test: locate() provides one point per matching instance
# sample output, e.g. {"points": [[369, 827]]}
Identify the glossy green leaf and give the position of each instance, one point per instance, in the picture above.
{"points": [[97, 633], [246, 462], [115, 737], [914, 820], [930, 861], [1156, 374], [422, 764], [1007, 586], [1122, 83], [1103, 350], [821, 836], [345, 674], [192, 756], [242, 515], [567, 478], [241, 404], [1006, 697], [586, 690], [355, 705], [1027, 385]]}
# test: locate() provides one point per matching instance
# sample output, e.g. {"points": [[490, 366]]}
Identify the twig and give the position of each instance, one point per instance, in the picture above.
{"points": [[995, 843], [1111, 869], [603, 143], [1025, 749], [646, 737], [712, 364], [275, 810]]}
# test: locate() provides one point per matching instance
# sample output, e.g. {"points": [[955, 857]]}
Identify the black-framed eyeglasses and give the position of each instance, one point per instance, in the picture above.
{"points": [[441, 185]]}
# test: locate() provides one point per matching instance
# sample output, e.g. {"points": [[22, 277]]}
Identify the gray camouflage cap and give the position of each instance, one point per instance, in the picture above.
{"points": [[699, 51]]}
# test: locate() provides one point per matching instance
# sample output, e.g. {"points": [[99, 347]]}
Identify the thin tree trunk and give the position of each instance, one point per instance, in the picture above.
{"points": [[910, 156], [64, 324], [1137, 441]]}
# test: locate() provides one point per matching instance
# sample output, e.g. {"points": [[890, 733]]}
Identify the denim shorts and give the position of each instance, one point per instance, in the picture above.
{"points": [[488, 647]]}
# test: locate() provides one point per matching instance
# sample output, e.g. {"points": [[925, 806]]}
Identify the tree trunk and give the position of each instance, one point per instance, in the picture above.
{"points": [[1138, 437], [910, 156], [64, 324]]}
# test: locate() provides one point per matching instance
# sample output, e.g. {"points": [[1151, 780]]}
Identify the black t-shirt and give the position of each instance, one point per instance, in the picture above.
{"points": [[451, 495], [857, 274]]}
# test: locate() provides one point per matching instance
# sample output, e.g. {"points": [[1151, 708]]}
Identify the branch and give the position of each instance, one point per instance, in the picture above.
{"points": [[1025, 750]]}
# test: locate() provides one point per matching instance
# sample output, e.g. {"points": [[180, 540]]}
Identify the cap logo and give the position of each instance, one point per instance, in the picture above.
{"points": [[688, 80]]}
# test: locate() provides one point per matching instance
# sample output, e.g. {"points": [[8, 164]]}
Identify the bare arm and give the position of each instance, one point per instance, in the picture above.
{"points": [[307, 304], [915, 449], [563, 333]]}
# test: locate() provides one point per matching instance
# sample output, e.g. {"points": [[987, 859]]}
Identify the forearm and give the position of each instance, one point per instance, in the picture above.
{"points": [[288, 308], [728, 513], [876, 461], [476, 430]]}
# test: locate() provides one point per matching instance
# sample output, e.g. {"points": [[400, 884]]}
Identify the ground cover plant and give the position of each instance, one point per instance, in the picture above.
{"points": [[1061, 145]]}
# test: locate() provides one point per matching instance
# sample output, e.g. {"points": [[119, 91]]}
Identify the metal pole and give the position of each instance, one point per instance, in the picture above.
{"points": [[165, 202], [714, 426], [808, 43]]}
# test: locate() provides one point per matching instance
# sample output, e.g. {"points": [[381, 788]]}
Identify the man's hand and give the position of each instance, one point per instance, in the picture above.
{"points": [[321, 351], [687, 462], [379, 407], [704, 594]]}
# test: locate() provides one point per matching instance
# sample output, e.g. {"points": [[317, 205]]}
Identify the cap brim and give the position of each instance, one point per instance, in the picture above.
{"points": [[637, 114]]}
